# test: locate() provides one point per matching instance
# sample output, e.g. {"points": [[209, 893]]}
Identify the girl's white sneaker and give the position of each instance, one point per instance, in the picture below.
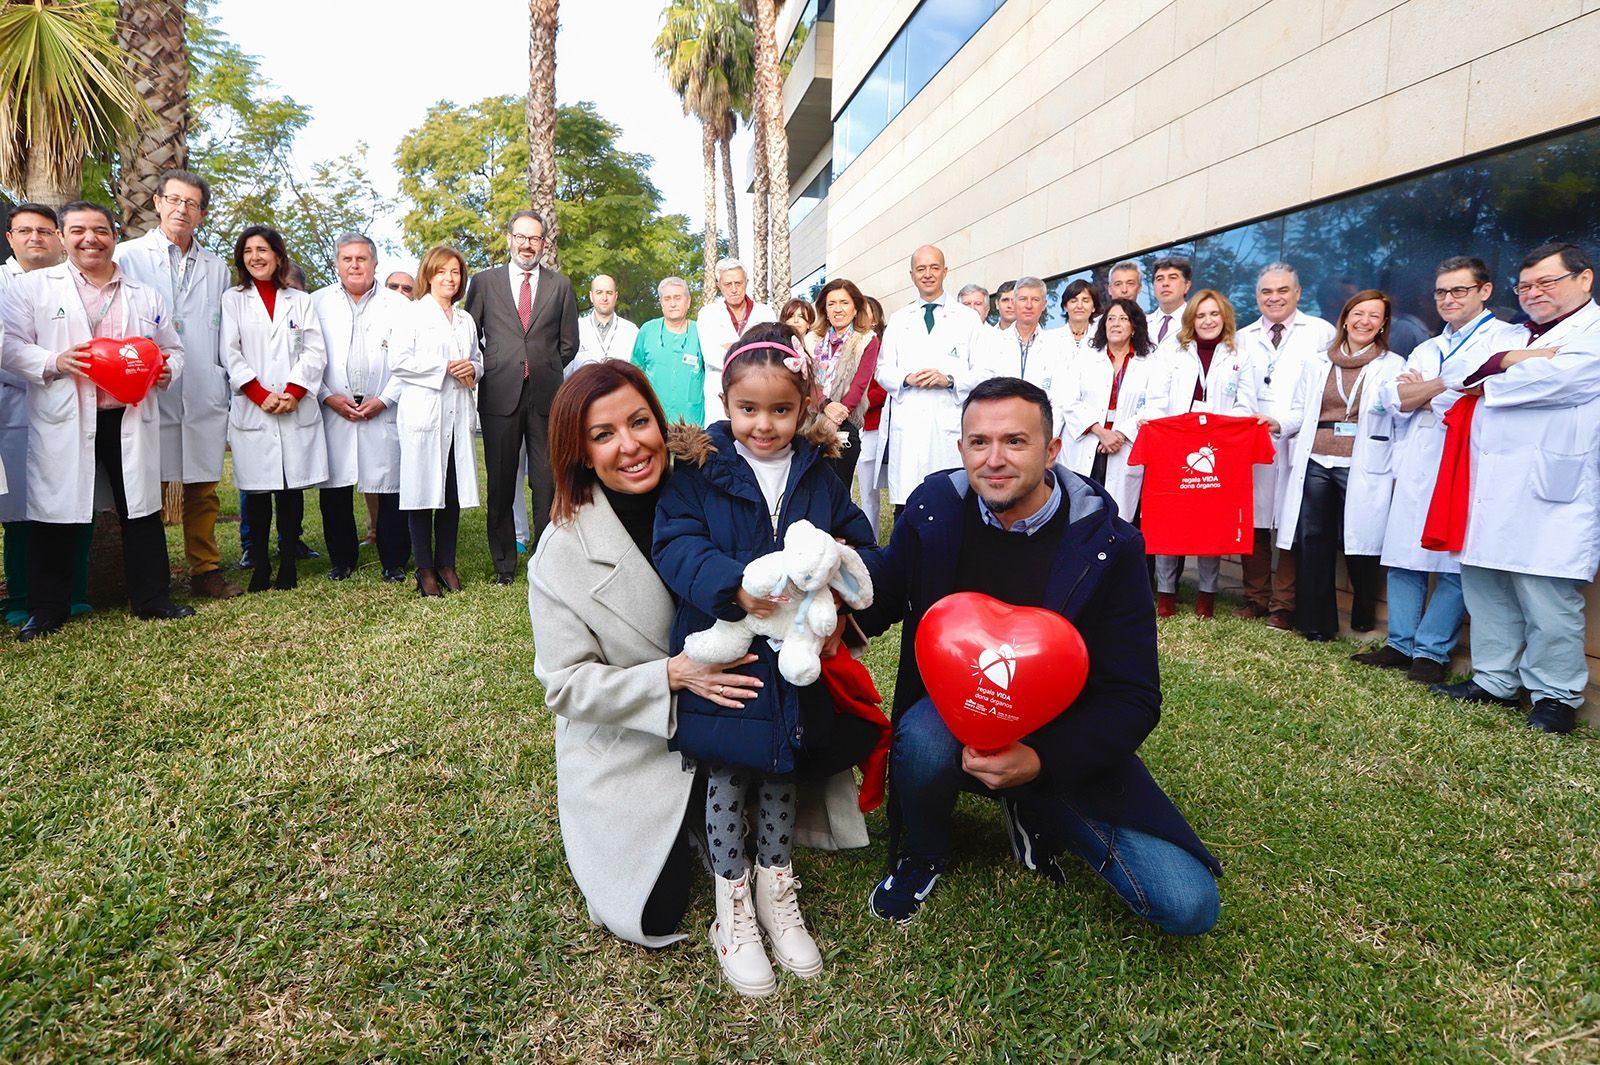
{"points": [[778, 912], [736, 939]]}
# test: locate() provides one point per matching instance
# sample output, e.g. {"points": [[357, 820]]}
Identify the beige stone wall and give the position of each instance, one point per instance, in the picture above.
{"points": [[1068, 132]]}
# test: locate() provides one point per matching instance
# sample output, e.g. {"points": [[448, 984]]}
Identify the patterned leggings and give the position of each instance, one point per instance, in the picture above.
{"points": [[727, 790]]}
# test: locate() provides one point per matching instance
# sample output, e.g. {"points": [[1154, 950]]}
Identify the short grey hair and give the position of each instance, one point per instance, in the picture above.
{"points": [[967, 290], [544, 223], [730, 263], [1124, 266], [1278, 268], [1029, 281], [668, 282], [350, 236]]}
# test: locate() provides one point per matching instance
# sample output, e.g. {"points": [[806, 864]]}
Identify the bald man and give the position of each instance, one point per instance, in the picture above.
{"points": [[927, 364], [602, 334]]}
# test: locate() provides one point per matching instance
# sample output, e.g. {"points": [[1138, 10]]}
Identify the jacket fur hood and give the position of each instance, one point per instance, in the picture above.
{"points": [[694, 444]]}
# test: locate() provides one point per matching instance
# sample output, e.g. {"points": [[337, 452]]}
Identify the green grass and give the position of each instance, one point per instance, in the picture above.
{"points": [[320, 825]]}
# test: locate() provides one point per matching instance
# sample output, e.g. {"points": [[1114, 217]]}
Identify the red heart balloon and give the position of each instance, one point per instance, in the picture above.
{"points": [[126, 369], [998, 672]]}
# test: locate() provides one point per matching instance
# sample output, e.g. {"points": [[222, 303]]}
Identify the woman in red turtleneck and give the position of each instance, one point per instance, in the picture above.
{"points": [[275, 357]]}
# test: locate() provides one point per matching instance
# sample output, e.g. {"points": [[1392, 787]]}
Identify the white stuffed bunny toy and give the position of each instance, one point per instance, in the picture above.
{"points": [[809, 564]]}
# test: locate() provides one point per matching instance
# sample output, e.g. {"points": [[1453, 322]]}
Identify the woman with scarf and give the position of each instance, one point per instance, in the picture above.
{"points": [[845, 359]]}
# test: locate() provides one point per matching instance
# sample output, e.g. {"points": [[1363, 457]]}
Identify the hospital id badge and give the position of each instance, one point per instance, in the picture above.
{"points": [[692, 361], [1344, 429], [299, 343]]}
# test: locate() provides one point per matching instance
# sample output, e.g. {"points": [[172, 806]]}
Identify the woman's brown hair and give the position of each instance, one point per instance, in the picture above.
{"points": [[1230, 322], [1341, 332], [431, 264], [569, 440], [864, 316], [274, 239]]}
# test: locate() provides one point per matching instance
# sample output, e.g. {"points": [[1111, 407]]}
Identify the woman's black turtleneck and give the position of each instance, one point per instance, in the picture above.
{"points": [[637, 513]]}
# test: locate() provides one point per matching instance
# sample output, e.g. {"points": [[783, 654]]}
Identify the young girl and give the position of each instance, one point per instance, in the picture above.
{"points": [[737, 487]]}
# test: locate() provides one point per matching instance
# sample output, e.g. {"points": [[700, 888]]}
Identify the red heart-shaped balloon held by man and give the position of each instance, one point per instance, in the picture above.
{"points": [[125, 369], [997, 672]]}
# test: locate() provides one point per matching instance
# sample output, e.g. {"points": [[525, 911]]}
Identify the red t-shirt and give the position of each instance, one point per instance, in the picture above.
{"points": [[1198, 494]]}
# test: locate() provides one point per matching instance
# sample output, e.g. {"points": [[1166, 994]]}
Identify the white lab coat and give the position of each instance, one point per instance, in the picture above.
{"points": [[436, 411], [1277, 373], [1230, 384], [273, 452], [44, 317], [1143, 397], [1536, 458], [1051, 365], [1071, 344], [1371, 480], [590, 348], [365, 454], [194, 417], [13, 426], [926, 423], [717, 335], [1419, 443]]}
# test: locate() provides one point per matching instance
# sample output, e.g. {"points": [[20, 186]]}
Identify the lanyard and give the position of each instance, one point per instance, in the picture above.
{"points": [[739, 323], [1459, 344], [605, 337], [105, 309], [1354, 396], [1024, 349]]}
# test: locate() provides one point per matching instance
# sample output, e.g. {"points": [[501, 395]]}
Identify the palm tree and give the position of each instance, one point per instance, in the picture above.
{"points": [[769, 91], [542, 19], [65, 95], [151, 33]]}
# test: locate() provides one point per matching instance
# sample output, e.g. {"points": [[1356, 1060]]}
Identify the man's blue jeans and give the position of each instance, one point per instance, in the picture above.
{"points": [[1424, 633], [1159, 880]]}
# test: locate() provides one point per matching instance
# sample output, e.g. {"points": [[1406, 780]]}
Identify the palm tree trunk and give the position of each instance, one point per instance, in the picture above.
{"points": [[151, 32], [708, 148], [542, 19], [759, 236], [729, 190], [44, 184], [769, 87]]}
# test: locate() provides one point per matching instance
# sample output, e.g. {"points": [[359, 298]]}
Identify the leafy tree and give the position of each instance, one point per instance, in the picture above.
{"points": [[464, 172]]}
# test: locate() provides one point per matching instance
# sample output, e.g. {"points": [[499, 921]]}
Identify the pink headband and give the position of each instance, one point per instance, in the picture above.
{"points": [[794, 361]]}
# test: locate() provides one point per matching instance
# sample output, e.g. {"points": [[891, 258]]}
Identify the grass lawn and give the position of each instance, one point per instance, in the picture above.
{"points": [[320, 825]]}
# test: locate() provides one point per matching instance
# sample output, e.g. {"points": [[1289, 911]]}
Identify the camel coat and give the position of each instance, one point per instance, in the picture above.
{"points": [[602, 621]]}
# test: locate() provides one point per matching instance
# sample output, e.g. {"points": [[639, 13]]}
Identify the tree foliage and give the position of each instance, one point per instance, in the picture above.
{"points": [[464, 172]]}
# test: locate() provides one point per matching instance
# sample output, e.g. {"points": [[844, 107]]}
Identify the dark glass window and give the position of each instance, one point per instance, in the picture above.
{"points": [[813, 194]]}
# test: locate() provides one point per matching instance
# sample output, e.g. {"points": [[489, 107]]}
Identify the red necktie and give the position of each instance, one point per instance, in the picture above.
{"points": [[525, 309]]}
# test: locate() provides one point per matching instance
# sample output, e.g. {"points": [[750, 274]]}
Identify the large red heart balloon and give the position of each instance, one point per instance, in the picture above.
{"points": [[126, 369], [997, 672]]}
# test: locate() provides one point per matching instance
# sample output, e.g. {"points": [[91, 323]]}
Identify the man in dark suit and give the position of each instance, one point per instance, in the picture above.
{"points": [[527, 320]]}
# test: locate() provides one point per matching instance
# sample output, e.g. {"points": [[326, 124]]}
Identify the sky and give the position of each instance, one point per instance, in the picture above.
{"points": [[370, 71]]}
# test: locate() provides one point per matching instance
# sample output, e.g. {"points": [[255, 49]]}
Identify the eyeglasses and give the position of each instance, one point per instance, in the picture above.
{"points": [[31, 231], [1544, 284], [396, 286], [180, 201], [518, 238], [1457, 293]]}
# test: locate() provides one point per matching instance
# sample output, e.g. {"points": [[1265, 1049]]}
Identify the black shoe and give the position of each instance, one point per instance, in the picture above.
{"points": [[1469, 692], [288, 576], [901, 894], [247, 561], [396, 575], [35, 627], [1317, 637], [1551, 716], [428, 584], [1425, 671], [260, 578], [1027, 845], [164, 611], [504, 578], [1384, 657], [340, 573], [303, 551]]}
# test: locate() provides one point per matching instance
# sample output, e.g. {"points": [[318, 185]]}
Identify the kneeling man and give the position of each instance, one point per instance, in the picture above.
{"points": [[1014, 525]]}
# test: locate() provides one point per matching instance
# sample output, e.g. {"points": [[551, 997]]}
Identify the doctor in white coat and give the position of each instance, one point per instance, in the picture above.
{"points": [[1205, 371], [1532, 536], [1423, 629], [1036, 355], [721, 322], [76, 431], [1277, 344], [1082, 304], [275, 355], [437, 361], [602, 333], [194, 416], [928, 363], [1341, 474], [359, 318], [1119, 385], [1170, 278]]}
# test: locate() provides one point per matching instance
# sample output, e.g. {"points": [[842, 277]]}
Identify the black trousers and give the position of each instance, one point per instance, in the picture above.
{"points": [[339, 528], [844, 464], [291, 507], [504, 438], [144, 543], [1321, 540], [433, 532]]}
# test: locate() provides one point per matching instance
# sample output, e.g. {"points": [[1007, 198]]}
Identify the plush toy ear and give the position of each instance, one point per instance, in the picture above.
{"points": [[853, 582]]}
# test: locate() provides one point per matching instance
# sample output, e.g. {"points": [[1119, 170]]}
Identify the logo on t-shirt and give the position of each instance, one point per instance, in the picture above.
{"points": [[1200, 470], [1202, 461], [998, 665]]}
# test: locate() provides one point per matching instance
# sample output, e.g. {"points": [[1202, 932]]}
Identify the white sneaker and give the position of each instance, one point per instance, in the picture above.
{"points": [[736, 939], [778, 912]]}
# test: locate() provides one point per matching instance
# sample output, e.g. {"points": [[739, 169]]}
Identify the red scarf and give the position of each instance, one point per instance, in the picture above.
{"points": [[853, 693], [1445, 528]]}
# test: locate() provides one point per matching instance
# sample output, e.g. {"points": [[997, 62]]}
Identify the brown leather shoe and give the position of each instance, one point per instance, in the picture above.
{"points": [[1281, 620], [213, 585], [1166, 604], [1205, 604], [448, 578], [1250, 611]]}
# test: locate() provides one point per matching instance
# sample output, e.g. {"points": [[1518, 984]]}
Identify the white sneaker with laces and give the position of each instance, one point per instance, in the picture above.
{"points": [[736, 940], [778, 913]]}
